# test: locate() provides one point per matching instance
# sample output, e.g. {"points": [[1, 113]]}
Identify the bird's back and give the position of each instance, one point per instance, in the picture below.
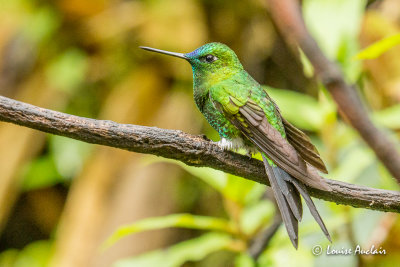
{"points": [[241, 89]]}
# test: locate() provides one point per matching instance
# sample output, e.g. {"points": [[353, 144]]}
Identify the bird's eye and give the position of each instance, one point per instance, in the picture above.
{"points": [[210, 58]]}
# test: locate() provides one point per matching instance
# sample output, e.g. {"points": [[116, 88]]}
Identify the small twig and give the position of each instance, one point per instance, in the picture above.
{"points": [[190, 149], [286, 14]]}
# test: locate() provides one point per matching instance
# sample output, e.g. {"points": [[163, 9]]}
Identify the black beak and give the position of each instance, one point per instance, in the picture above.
{"points": [[180, 55]]}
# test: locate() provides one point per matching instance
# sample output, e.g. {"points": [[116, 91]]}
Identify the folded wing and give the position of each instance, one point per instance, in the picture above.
{"points": [[251, 120]]}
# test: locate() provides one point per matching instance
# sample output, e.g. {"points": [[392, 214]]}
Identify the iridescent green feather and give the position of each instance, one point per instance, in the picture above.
{"points": [[240, 90]]}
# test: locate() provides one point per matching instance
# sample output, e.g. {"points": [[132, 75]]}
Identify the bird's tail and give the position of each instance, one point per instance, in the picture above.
{"points": [[287, 191]]}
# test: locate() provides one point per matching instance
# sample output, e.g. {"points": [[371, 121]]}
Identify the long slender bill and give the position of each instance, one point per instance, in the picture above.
{"points": [[174, 54]]}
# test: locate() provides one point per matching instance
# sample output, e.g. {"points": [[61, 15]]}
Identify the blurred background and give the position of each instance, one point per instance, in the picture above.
{"points": [[61, 199]]}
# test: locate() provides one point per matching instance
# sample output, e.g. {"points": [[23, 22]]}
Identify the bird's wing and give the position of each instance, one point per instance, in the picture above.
{"points": [[252, 121], [302, 143]]}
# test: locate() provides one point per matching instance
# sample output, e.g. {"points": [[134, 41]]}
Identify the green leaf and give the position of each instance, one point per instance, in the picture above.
{"points": [[235, 188], [242, 191], [217, 179], [254, 216], [68, 70], [35, 254], [40, 173], [303, 110], [378, 48], [308, 68], [176, 220], [335, 24], [244, 260], [332, 21], [175, 256], [40, 25], [386, 180], [352, 164], [69, 154], [8, 257], [282, 254], [389, 117]]}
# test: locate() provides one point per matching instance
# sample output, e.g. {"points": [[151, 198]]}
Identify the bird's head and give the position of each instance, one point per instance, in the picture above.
{"points": [[211, 58]]}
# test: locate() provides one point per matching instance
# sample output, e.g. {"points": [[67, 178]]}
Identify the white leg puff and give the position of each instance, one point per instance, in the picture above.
{"points": [[235, 144]]}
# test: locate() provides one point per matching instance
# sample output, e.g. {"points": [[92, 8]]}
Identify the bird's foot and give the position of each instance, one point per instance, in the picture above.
{"points": [[224, 144], [203, 136]]}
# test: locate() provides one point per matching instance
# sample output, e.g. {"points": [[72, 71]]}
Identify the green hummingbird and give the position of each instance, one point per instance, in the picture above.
{"points": [[245, 117]]}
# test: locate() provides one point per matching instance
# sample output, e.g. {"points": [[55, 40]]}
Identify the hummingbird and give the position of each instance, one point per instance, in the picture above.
{"points": [[246, 117]]}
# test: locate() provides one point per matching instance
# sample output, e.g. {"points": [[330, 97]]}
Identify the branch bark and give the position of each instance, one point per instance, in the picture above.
{"points": [[190, 149], [286, 15]]}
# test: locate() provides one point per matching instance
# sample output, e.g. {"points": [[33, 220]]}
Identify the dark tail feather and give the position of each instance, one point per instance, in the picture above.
{"points": [[287, 191], [282, 193], [290, 192], [303, 191]]}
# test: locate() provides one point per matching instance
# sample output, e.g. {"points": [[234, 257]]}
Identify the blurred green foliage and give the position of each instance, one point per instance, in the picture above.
{"points": [[81, 57], [378, 48], [176, 220], [36, 254], [176, 255]]}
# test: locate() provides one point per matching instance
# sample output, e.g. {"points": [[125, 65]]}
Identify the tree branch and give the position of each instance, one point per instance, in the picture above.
{"points": [[190, 149], [286, 15]]}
